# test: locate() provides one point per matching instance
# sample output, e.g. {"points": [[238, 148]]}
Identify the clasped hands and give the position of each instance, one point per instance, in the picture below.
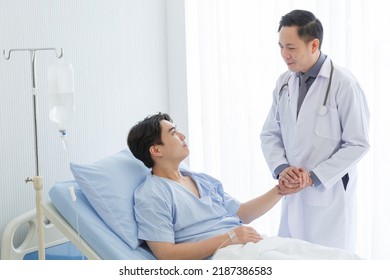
{"points": [[293, 179]]}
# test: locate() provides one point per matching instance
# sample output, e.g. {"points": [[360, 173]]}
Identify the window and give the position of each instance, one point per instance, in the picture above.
{"points": [[233, 62]]}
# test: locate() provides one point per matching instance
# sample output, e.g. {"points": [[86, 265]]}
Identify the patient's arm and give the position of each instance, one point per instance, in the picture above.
{"points": [[258, 206], [202, 249]]}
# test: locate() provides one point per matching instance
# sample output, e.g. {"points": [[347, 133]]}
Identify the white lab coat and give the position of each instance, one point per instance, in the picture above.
{"points": [[329, 145]]}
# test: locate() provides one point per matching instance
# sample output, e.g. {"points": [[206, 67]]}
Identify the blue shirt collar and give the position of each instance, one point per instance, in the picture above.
{"points": [[315, 69]]}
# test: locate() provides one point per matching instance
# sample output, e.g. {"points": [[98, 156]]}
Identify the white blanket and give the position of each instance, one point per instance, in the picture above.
{"points": [[278, 248]]}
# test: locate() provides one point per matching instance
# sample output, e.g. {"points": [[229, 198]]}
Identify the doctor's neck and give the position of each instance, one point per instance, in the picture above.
{"points": [[311, 61]]}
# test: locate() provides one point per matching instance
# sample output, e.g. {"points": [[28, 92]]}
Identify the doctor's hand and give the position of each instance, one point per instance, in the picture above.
{"points": [[291, 178], [290, 186], [307, 181]]}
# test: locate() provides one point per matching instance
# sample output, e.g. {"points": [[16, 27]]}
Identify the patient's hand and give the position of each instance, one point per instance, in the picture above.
{"points": [[245, 234], [284, 190]]}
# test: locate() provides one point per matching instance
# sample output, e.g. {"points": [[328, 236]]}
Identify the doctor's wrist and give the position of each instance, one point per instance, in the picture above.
{"points": [[310, 183], [315, 182]]}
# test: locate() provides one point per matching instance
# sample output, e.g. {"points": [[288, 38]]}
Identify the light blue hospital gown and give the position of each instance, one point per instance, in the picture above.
{"points": [[166, 211]]}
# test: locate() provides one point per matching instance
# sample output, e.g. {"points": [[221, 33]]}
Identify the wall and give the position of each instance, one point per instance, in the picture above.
{"points": [[118, 49], [177, 64]]}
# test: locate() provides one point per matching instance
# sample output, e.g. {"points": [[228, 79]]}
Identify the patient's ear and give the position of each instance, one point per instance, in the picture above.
{"points": [[155, 151]]}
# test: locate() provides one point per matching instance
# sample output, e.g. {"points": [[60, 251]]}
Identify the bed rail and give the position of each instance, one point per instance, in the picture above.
{"points": [[53, 236], [56, 218]]}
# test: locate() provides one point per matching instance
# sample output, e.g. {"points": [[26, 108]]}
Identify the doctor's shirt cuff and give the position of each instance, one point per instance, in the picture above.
{"points": [[279, 169], [314, 178]]}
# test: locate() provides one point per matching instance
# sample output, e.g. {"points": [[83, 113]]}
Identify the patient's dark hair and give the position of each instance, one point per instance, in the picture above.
{"points": [[309, 27], [145, 134]]}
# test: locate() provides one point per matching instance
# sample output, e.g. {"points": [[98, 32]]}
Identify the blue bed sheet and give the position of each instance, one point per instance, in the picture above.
{"points": [[65, 251]]}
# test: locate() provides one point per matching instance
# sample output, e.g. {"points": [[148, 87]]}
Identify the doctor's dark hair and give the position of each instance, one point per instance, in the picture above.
{"points": [[309, 27], [145, 134]]}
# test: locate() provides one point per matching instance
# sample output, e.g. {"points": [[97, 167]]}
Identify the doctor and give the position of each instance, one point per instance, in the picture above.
{"points": [[316, 127]]}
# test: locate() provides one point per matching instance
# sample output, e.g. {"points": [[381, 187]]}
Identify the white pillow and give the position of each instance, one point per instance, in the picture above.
{"points": [[109, 186]]}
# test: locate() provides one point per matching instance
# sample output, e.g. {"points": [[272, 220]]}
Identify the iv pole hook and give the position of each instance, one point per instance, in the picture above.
{"points": [[59, 52]]}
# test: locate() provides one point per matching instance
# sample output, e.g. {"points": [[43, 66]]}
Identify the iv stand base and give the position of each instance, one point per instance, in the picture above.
{"points": [[38, 186]]}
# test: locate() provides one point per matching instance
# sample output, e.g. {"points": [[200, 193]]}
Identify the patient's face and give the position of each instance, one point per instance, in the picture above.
{"points": [[174, 146]]}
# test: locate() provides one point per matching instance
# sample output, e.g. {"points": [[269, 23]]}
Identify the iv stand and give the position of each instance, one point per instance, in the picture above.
{"points": [[37, 179]]}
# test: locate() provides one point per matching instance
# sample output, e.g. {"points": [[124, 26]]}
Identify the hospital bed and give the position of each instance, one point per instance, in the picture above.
{"points": [[75, 224], [92, 217], [68, 221]]}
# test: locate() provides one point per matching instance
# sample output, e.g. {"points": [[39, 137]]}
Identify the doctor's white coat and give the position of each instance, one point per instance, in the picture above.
{"points": [[330, 145]]}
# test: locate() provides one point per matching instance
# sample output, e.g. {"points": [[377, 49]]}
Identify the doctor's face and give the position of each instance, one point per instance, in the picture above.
{"points": [[299, 55]]}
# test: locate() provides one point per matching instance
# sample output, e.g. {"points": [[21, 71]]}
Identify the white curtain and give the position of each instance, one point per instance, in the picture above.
{"points": [[233, 62]]}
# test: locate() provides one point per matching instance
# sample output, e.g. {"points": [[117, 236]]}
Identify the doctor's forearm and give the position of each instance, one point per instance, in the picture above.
{"points": [[331, 171]]}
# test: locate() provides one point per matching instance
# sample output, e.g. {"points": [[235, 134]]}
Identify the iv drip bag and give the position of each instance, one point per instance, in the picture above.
{"points": [[61, 94]]}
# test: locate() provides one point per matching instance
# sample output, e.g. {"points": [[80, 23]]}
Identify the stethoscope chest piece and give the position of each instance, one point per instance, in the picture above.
{"points": [[323, 110]]}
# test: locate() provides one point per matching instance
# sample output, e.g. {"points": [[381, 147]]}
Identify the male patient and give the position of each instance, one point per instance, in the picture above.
{"points": [[183, 214]]}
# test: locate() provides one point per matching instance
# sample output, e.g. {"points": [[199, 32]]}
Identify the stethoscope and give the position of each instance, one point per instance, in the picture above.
{"points": [[323, 110]]}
